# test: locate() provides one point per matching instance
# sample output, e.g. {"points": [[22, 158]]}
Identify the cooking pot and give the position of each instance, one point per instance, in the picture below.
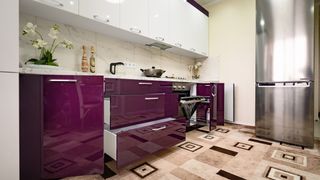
{"points": [[153, 72]]}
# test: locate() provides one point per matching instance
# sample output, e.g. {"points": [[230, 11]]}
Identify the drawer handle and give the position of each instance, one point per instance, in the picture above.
{"points": [[98, 18], [207, 85], [63, 80], [144, 83], [160, 128], [151, 98], [135, 30], [52, 2], [160, 38]]}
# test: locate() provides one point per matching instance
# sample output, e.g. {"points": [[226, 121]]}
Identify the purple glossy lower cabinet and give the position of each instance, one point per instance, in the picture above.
{"points": [[126, 110], [133, 145], [215, 92], [61, 126]]}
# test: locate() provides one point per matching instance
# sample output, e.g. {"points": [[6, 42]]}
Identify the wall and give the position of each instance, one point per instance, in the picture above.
{"points": [[232, 53], [108, 50]]}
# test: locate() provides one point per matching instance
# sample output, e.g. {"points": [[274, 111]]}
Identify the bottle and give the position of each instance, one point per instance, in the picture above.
{"points": [[92, 60], [84, 62]]}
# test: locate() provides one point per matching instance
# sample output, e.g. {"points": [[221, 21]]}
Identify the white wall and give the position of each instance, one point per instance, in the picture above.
{"points": [[108, 50], [232, 53], [9, 90]]}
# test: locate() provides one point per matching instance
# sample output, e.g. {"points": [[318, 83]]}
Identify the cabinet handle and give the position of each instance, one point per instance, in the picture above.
{"points": [[193, 49], [160, 128], [52, 2], [203, 53], [160, 38], [63, 80], [178, 44], [145, 83], [151, 98], [98, 18], [135, 30], [207, 85]]}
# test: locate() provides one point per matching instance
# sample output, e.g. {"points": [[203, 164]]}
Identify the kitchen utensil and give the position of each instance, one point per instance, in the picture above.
{"points": [[113, 67], [153, 72]]}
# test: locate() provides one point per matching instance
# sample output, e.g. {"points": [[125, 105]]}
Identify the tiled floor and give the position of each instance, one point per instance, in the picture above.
{"points": [[229, 152]]}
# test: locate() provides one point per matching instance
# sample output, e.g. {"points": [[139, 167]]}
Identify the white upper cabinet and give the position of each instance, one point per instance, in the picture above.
{"points": [[67, 5], [178, 23], [134, 16], [203, 35], [105, 11], [159, 19], [197, 40]]}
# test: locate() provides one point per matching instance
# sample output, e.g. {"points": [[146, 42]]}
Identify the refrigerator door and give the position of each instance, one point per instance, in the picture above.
{"points": [[284, 112], [284, 40]]}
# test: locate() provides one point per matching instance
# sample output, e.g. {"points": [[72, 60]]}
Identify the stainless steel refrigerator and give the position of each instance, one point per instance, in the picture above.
{"points": [[285, 71]]}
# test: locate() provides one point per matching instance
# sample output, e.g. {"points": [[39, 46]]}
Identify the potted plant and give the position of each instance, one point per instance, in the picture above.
{"points": [[38, 42]]}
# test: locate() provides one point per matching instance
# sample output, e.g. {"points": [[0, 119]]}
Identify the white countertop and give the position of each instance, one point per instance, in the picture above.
{"points": [[61, 71]]}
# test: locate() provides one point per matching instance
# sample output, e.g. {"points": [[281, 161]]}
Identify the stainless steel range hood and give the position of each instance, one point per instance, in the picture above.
{"points": [[159, 45]]}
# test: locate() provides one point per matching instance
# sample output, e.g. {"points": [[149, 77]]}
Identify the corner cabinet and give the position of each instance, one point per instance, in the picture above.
{"points": [[134, 16], [61, 126], [103, 11]]}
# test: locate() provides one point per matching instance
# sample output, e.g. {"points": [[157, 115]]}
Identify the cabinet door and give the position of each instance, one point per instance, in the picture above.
{"points": [[178, 23], [127, 110], [101, 10], [72, 126], [134, 16], [9, 35], [67, 5], [159, 19], [203, 32], [9, 129], [198, 31]]}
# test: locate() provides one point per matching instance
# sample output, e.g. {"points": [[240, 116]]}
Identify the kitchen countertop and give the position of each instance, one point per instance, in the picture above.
{"points": [[61, 71]]}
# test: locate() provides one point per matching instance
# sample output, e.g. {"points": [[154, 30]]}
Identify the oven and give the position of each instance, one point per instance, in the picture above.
{"points": [[183, 90]]}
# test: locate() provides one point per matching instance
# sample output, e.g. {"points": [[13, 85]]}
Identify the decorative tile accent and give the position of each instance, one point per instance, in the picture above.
{"points": [[209, 137], [58, 165], [229, 175], [222, 130], [143, 170], [243, 146], [190, 146], [223, 150], [259, 141], [290, 157], [278, 174]]}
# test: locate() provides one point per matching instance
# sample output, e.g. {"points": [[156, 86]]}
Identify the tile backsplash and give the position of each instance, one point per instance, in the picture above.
{"points": [[108, 50]]}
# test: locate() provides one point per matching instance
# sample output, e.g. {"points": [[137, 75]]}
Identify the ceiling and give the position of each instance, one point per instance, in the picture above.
{"points": [[207, 2]]}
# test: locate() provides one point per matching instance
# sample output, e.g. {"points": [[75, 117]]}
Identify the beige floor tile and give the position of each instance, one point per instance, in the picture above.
{"points": [[214, 158], [201, 169], [185, 175]]}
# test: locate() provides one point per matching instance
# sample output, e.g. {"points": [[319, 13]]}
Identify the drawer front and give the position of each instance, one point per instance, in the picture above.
{"points": [[172, 105], [139, 87], [127, 110], [204, 89], [135, 144], [128, 87]]}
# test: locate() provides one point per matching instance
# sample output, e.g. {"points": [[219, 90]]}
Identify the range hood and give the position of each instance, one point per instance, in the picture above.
{"points": [[159, 45]]}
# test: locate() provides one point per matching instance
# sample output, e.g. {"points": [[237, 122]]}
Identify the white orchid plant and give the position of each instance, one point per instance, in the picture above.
{"points": [[38, 42]]}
